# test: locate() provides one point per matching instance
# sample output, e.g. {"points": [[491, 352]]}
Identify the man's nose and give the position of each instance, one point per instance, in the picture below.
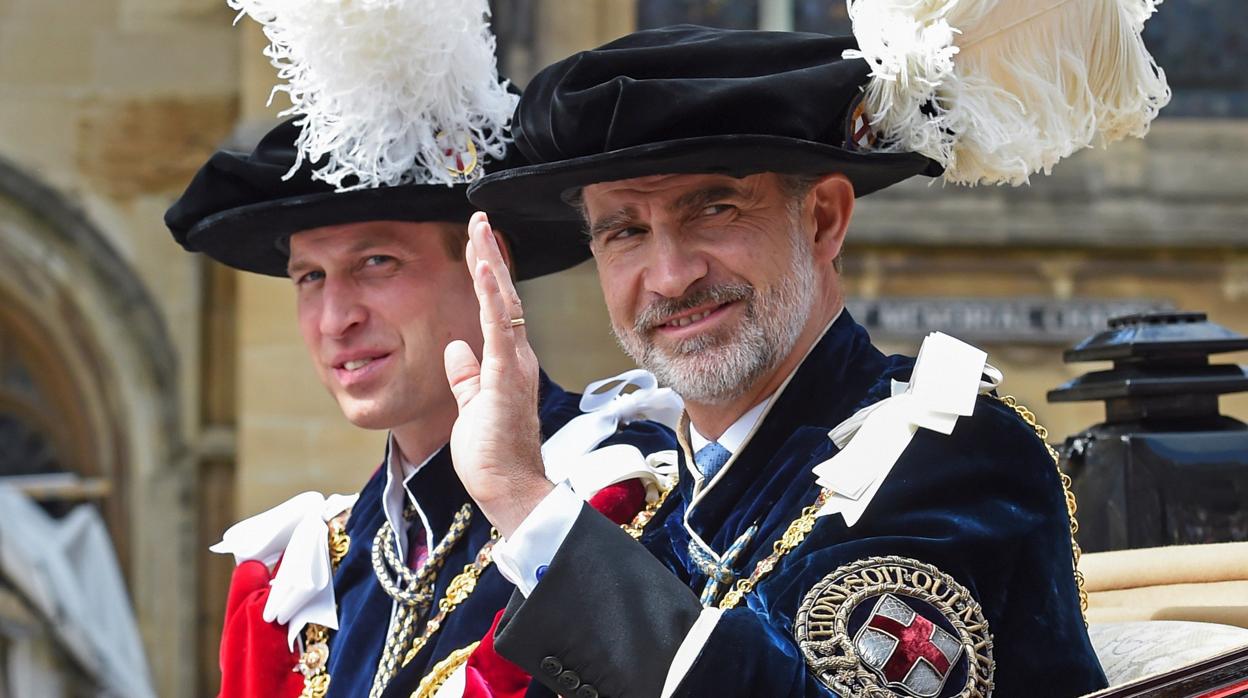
{"points": [[674, 266], [341, 308]]}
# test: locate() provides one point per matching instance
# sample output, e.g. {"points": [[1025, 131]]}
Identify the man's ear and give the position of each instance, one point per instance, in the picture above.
{"points": [[833, 207]]}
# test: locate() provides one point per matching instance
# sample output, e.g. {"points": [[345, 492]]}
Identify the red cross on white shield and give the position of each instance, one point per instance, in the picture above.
{"points": [[907, 650]]}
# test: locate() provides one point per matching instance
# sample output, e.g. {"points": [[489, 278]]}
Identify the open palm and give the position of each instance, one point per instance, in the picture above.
{"points": [[496, 440]]}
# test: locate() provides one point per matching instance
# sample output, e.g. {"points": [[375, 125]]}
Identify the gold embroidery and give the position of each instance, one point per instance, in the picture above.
{"points": [[443, 670], [853, 662], [314, 661]]}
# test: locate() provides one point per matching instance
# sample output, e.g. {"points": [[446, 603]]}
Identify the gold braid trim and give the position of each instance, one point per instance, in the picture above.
{"points": [[1071, 505], [314, 661], [638, 525], [443, 671], [411, 610], [463, 585], [793, 537]]}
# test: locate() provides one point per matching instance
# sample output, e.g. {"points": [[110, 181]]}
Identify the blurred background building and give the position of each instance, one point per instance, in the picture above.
{"points": [[176, 395]]}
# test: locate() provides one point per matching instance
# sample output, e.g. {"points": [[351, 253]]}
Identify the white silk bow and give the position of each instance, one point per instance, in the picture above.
{"points": [[297, 533], [620, 463], [943, 387], [569, 453]]}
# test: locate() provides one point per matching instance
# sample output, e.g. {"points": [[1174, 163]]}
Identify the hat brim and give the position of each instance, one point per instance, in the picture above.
{"points": [[540, 191], [254, 238]]}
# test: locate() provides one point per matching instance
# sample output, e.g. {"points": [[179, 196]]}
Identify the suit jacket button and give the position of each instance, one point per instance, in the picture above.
{"points": [[568, 680], [586, 691], [552, 666]]}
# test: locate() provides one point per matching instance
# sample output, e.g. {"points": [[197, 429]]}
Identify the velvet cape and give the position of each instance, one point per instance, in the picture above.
{"points": [[983, 504]]}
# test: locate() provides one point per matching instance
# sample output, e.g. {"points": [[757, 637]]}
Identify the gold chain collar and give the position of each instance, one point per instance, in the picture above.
{"points": [[403, 645], [315, 659], [1072, 507], [444, 669]]}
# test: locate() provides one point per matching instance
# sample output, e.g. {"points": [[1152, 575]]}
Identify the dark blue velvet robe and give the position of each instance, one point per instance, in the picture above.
{"points": [[364, 608], [984, 504]]}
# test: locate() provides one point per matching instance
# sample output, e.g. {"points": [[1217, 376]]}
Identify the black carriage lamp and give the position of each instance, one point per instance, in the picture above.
{"points": [[1165, 467]]}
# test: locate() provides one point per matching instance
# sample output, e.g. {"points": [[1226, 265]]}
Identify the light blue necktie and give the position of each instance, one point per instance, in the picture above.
{"points": [[710, 458]]}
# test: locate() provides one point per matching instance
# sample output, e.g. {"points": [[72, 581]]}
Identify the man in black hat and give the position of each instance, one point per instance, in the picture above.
{"points": [[380, 288], [846, 523]]}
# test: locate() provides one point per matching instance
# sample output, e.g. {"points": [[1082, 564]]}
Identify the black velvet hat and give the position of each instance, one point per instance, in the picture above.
{"points": [[689, 99], [977, 93], [239, 211]]}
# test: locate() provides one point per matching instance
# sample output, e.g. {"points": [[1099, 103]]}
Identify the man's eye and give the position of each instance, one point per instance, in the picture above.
{"points": [[377, 260], [310, 277], [716, 209], [625, 233]]}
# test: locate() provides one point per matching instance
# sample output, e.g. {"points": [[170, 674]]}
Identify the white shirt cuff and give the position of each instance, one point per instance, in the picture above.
{"points": [[534, 543]]}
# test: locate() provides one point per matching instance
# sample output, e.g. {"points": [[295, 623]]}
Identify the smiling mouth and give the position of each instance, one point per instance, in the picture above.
{"points": [[690, 319], [671, 314], [357, 364]]}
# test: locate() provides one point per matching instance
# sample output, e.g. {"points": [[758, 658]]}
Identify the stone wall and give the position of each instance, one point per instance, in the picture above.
{"points": [[111, 105]]}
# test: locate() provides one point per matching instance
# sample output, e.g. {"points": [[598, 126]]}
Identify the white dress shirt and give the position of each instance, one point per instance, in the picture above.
{"points": [[523, 557], [734, 436]]}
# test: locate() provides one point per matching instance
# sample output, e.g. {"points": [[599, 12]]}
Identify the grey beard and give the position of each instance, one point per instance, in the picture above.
{"points": [[713, 370]]}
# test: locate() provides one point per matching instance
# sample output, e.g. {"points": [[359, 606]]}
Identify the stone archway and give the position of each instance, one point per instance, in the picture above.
{"points": [[100, 397]]}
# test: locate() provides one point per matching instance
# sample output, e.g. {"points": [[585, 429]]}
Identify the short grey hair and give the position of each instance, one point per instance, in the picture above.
{"points": [[576, 199], [797, 186]]}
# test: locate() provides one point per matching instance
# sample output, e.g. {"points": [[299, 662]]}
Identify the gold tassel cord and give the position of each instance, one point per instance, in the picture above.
{"points": [[413, 591]]}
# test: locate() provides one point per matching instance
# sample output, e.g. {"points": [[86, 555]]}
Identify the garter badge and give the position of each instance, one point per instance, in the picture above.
{"points": [[859, 134], [893, 627]]}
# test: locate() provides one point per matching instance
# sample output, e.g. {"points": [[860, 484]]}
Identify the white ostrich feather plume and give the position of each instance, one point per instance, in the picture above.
{"points": [[996, 90], [377, 82]]}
